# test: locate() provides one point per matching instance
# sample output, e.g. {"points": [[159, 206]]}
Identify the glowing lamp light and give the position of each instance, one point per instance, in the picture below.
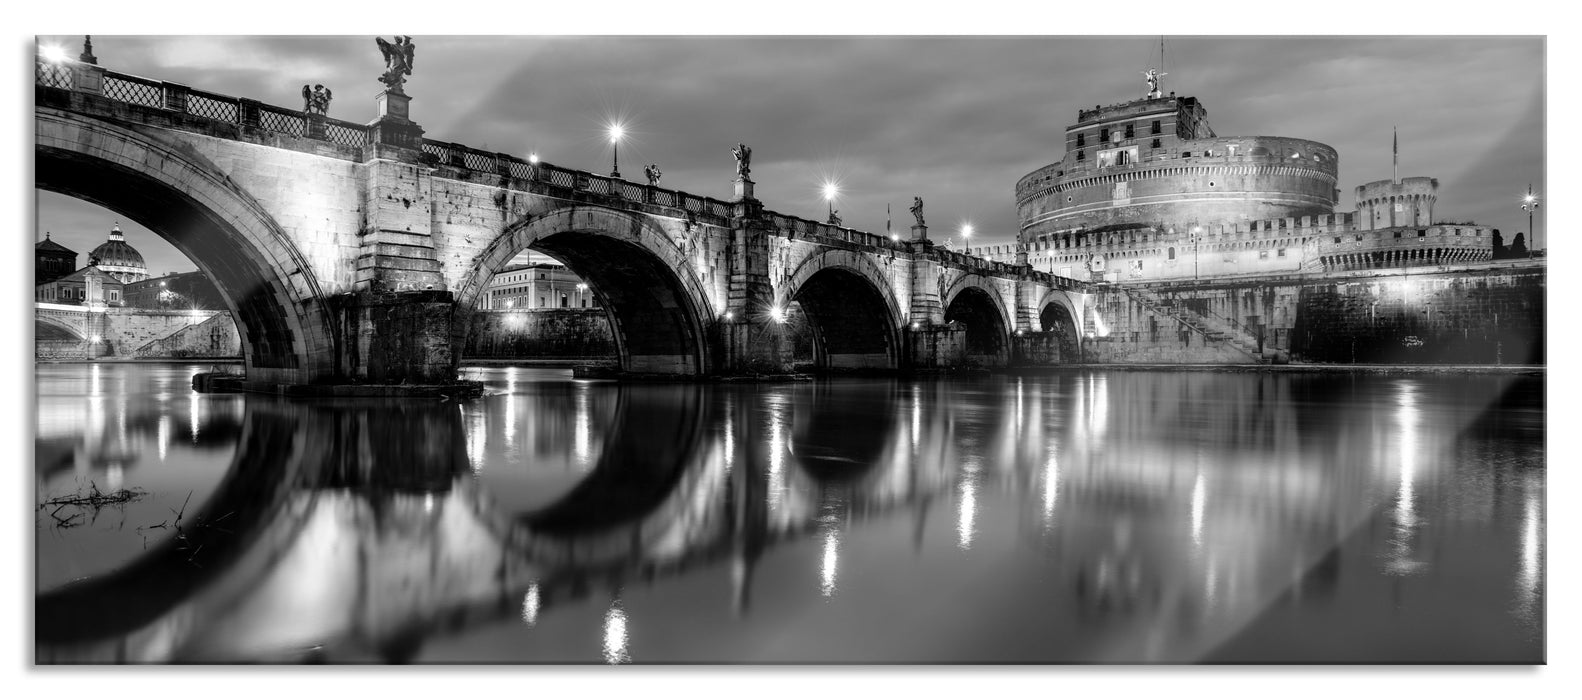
{"points": [[830, 190], [966, 231], [778, 314], [532, 158], [54, 53], [916, 325], [93, 339], [729, 315], [616, 132], [895, 237]]}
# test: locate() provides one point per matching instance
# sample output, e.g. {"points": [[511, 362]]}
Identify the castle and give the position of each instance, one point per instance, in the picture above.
{"points": [[1147, 191]]}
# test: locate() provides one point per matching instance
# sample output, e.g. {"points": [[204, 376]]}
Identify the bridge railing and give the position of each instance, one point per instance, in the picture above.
{"points": [[145, 92], [829, 232]]}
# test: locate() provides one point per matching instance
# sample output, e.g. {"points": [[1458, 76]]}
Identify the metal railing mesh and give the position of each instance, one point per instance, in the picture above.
{"points": [[137, 91], [354, 135], [225, 110], [273, 119], [53, 75]]}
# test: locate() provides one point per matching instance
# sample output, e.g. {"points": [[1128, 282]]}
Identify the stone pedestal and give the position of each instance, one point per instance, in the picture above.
{"points": [[395, 127], [920, 233], [744, 190]]}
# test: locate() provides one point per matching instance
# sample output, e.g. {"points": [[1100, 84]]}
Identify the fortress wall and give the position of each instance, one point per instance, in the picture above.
{"points": [[1474, 314], [539, 333]]}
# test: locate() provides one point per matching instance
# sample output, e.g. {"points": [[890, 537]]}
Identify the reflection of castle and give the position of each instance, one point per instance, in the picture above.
{"points": [[1146, 190]]}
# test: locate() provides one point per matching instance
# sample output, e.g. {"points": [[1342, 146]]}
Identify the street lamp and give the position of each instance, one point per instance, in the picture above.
{"points": [[1530, 205], [830, 191], [616, 132], [966, 238], [582, 289]]}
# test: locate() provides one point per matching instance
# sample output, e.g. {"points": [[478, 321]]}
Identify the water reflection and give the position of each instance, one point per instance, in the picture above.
{"points": [[1089, 517]]}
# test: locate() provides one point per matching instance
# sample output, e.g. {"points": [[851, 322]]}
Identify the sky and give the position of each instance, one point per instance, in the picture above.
{"points": [[956, 120]]}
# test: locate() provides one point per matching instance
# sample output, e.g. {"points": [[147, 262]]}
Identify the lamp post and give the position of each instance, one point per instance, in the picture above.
{"points": [[582, 289], [1530, 205], [830, 190], [616, 132], [1195, 231], [966, 238]]}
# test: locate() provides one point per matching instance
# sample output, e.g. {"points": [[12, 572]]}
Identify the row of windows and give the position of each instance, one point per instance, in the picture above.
{"points": [[77, 293], [1130, 132]]}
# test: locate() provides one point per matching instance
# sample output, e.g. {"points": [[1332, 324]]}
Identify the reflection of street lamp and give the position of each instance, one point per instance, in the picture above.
{"points": [[616, 132], [1530, 205]]}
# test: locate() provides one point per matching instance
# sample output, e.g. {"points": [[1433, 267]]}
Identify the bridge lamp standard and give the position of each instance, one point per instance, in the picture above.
{"points": [[966, 237], [1530, 205], [830, 192], [1196, 230], [616, 133]]}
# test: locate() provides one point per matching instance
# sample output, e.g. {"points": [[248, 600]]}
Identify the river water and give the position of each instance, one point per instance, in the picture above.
{"points": [[1072, 517]]}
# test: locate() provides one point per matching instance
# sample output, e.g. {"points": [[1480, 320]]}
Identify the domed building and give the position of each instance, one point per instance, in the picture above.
{"points": [[119, 259]]}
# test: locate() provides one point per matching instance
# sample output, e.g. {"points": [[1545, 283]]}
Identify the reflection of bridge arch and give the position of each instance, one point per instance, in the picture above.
{"points": [[657, 307], [265, 280], [975, 302], [854, 313]]}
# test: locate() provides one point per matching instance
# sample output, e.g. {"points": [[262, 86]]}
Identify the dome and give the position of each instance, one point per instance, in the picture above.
{"points": [[118, 258]]}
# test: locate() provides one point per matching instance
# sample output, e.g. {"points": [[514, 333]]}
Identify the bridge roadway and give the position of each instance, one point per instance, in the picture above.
{"points": [[355, 252], [359, 529]]}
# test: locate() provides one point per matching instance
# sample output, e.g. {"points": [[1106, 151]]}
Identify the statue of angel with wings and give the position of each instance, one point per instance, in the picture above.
{"points": [[316, 100], [398, 60]]}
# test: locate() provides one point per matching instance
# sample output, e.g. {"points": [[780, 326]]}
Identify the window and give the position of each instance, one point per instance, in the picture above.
{"points": [[1104, 135], [1263, 255], [1337, 239], [1081, 155], [1122, 158], [1186, 154], [1128, 131], [1082, 140], [1156, 143], [1420, 233], [1172, 253], [1280, 253], [1155, 128], [563, 302], [541, 301], [1397, 234]]}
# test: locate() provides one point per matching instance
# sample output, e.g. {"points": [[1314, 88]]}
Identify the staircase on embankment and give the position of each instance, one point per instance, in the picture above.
{"points": [[1211, 328]]}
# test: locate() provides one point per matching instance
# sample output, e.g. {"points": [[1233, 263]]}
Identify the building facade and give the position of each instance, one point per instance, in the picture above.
{"points": [[183, 290], [89, 286], [1147, 191], [52, 261], [538, 286]]}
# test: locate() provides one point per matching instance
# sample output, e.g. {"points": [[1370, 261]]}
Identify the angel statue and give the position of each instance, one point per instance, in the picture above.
{"points": [[652, 172], [1152, 75], [316, 100], [744, 160], [398, 61], [917, 210], [834, 218]]}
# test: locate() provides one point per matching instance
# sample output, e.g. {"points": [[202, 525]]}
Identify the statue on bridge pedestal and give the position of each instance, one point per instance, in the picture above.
{"points": [[398, 61], [917, 210], [744, 160], [651, 171], [834, 218], [316, 100]]}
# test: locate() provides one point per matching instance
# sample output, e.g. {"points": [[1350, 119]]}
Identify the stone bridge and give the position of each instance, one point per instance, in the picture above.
{"points": [[356, 252]]}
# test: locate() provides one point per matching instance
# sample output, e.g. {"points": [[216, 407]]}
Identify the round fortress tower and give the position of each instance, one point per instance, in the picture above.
{"points": [[1387, 203], [1156, 161]]}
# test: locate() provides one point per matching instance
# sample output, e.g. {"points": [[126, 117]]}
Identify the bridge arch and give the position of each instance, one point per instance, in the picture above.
{"points": [[854, 315], [269, 286], [658, 308], [52, 328], [1058, 315], [975, 301]]}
